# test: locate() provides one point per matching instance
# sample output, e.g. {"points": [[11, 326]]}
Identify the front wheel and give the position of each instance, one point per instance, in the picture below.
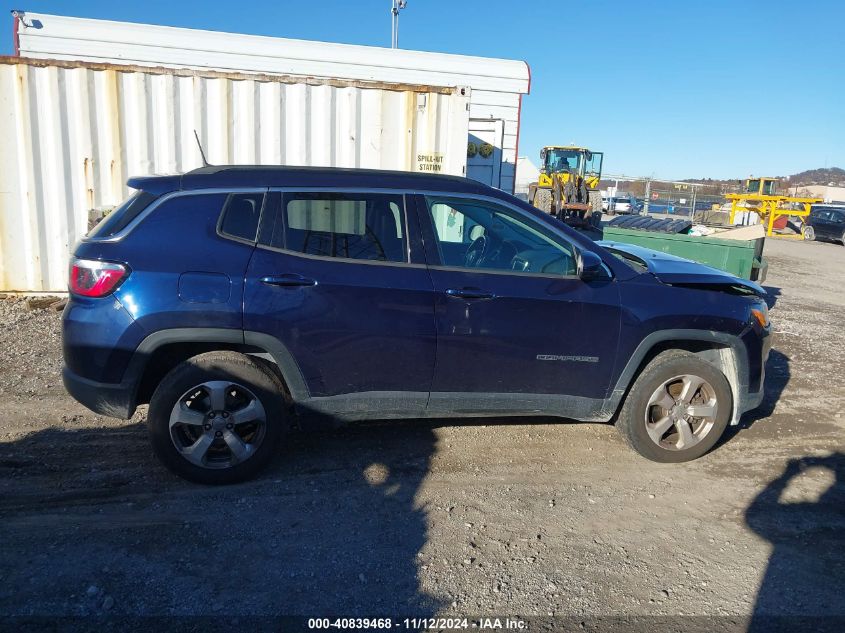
{"points": [[595, 202], [677, 409], [543, 200], [217, 418], [809, 233]]}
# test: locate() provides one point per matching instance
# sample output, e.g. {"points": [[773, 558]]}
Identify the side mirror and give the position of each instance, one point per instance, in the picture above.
{"points": [[591, 267]]}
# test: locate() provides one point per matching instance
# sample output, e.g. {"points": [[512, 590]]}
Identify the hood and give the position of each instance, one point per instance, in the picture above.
{"points": [[677, 271]]}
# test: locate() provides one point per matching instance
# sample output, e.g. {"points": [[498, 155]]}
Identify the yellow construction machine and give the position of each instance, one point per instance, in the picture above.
{"points": [[761, 197], [567, 186]]}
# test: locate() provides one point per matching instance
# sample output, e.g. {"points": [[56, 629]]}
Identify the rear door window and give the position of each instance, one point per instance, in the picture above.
{"points": [[120, 217], [362, 226]]}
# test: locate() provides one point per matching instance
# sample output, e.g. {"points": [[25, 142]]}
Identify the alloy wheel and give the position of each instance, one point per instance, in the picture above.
{"points": [[681, 412], [217, 424]]}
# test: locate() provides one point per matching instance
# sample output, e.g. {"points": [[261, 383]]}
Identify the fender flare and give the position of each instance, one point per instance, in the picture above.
{"points": [[279, 353], [736, 372]]}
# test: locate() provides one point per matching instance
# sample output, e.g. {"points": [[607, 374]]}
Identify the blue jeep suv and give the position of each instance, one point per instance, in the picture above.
{"points": [[239, 301]]}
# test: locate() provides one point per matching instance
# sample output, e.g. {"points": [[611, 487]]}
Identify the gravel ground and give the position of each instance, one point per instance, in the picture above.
{"points": [[470, 518]]}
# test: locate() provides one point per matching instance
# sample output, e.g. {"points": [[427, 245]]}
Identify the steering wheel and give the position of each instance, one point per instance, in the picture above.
{"points": [[476, 251]]}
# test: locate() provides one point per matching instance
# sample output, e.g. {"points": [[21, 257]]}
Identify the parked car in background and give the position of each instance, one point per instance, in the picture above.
{"points": [[623, 205], [825, 222], [619, 204], [241, 301]]}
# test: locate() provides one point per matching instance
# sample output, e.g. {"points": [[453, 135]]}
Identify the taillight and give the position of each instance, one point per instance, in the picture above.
{"points": [[92, 278]]}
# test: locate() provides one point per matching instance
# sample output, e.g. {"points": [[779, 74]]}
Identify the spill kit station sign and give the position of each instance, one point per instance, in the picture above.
{"points": [[432, 163]]}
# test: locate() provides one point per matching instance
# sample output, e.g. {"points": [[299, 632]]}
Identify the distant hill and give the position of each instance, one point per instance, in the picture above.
{"points": [[821, 176], [714, 187]]}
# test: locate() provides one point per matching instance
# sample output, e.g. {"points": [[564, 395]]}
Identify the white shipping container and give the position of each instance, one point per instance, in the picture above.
{"points": [[72, 132], [497, 85]]}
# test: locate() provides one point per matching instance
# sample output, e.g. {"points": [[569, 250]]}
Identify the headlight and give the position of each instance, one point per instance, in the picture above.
{"points": [[760, 313]]}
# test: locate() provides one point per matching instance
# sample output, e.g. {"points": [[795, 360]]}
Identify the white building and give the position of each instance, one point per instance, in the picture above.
{"points": [[828, 193], [526, 173]]}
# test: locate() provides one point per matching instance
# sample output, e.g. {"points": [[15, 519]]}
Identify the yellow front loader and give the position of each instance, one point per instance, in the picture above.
{"points": [[567, 186]]}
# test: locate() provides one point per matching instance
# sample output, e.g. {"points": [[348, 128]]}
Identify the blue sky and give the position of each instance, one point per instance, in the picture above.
{"points": [[677, 89]]}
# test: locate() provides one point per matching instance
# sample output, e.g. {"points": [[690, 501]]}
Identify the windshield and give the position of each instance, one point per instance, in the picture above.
{"points": [[119, 218], [562, 160]]}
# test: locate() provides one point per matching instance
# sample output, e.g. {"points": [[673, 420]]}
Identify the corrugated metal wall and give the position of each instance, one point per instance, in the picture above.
{"points": [[497, 84], [72, 133]]}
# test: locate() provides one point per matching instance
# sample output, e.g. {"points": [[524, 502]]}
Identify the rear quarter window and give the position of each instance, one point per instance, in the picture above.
{"points": [[120, 218], [241, 214]]}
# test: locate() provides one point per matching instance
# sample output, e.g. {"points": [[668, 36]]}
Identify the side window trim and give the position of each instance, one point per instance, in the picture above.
{"points": [[267, 228], [428, 233]]}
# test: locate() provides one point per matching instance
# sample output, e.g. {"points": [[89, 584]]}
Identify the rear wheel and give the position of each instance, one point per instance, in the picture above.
{"points": [[677, 409], [543, 200], [217, 418], [595, 201], [809, 233]]}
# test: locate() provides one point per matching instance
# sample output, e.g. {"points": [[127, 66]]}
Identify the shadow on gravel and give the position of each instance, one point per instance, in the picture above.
{"points": [[805, 575], [92, 524]]}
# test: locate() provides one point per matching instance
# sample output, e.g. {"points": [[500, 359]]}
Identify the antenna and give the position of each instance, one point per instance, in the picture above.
{"points": [[202, 153]]}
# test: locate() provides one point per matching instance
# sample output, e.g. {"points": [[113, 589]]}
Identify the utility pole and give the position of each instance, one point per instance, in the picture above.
{"points": [[692, 215], [397, 5]]}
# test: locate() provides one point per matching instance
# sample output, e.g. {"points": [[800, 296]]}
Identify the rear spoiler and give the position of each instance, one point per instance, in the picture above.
{"points": [[157, 185]]}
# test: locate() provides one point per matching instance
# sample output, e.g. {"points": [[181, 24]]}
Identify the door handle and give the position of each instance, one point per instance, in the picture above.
{"points": [[288, 280], [469, 293]]}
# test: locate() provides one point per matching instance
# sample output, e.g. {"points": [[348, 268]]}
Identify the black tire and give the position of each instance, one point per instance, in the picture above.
{"points": [[632, 420], [543, 200], [219, 367], [595, 201]]}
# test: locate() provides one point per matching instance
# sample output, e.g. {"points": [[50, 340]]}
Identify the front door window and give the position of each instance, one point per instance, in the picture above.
{"points": [[483, 236]]}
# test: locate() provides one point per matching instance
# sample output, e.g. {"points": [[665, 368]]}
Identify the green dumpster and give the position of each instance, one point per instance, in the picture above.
{"points": [[743, 258]]}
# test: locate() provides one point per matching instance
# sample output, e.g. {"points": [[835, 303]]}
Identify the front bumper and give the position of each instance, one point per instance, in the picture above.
{"points": [[109, 399], [750, 400]]}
